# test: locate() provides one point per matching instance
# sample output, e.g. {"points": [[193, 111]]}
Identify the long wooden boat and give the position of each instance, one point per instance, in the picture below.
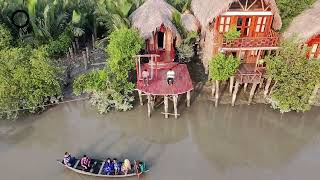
{"points": [[97, 169]]}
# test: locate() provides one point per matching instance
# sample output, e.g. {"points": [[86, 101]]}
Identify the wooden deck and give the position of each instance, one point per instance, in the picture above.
{"points": [[159, 87], [248, 73]]}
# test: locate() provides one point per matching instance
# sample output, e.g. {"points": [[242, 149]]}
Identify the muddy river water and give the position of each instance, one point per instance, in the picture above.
{"points": [[224, 143]]}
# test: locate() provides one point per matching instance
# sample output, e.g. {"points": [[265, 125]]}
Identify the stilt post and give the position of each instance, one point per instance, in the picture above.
{"points": [[71, 53], [217, 93], [253, 89], [188, 98], [213, 89], [140, 97], [231, 84], [234, 96], [166, 106], [175, 105], [266, 89], [245, 87], [149, 105]]}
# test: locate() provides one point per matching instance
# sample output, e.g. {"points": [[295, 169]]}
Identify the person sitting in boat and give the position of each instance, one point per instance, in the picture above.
{"points": [[85, 162], [108, 167], [68, 159], [170, 77], [145, 76], [136, 167], [126, 166], [116, 166], [142, 167]]}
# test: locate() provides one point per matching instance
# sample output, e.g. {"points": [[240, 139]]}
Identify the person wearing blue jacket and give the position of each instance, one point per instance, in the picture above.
{"points": [[108, 167]]}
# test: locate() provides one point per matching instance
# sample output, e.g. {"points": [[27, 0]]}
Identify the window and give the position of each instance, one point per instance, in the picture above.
{"points": [[314, 49], [261, 24], [243, 25], [224, 25]]}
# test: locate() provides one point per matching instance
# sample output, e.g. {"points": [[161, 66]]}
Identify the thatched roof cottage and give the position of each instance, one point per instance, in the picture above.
{"points": [[306, 27], [253, 18], [153, 20]]}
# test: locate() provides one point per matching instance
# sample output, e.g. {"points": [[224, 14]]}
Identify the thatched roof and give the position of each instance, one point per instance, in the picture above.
{"points": [[151, 15], [207, 10], [307, 24], [190, 22]]}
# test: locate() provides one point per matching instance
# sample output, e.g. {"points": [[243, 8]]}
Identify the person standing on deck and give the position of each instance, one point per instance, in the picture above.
{"points": [[170, 77], [145, 76]]}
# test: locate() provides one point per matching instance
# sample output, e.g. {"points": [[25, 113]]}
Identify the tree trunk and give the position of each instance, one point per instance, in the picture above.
{"points": [[217, 93], [273, 87]]}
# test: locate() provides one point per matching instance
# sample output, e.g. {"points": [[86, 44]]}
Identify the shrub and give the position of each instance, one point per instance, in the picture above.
{"points": [[296, 77], [61, 45], [111, 88], [232, 33], [222, 67], [27, 79], [5, 37]]}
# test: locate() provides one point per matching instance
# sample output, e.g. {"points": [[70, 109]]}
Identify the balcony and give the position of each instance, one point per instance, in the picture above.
{"points": [[270, 41]]}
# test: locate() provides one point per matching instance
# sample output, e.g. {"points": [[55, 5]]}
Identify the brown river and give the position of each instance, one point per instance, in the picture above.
{"points": [[224, 143]]}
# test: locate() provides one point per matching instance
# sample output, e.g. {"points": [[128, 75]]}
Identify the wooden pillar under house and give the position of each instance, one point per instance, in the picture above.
{"points": [[231, 84], [149, 105], [234, 96], [213, 89], [217, 93], [166, 106], [175, 105], [253, 89], [188, 98], [245, 87], [140, 97], [266, 89]]}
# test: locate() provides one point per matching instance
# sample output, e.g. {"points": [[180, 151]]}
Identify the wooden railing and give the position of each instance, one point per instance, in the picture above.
{"points": [[249, 77], [271, 40]]}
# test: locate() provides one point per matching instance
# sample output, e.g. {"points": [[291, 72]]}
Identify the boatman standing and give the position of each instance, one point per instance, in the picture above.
{"points": [[170, 77]]}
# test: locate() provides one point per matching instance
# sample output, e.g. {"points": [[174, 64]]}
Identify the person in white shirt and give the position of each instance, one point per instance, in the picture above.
{"points": [[170, 77], [145, 76]]}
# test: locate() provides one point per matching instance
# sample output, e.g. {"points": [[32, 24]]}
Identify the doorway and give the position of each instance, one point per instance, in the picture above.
{"points": [[161, 41], [243, 25]]}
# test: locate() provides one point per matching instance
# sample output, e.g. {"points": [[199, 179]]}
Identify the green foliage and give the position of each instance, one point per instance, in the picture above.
{"points": [[61, 45], [232, 33], [111, 88], [5, 37], [27, 79], [176, 19], [222, 67], [185, 52], [181, 5], [296, 77], [290, 9]]}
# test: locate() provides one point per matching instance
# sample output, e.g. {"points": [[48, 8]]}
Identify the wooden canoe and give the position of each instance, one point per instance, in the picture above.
{"points": [[97, 169]]}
